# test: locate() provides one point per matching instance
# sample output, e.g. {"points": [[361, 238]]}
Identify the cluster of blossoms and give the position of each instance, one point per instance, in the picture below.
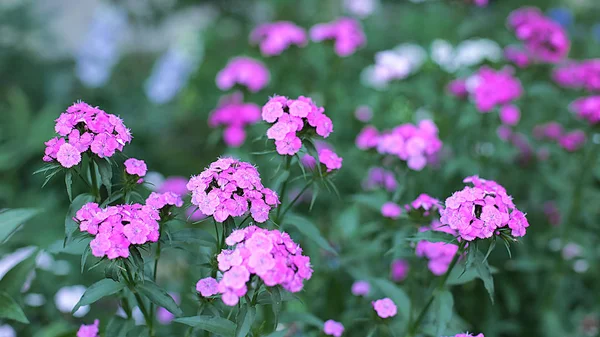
{"points": [[378, 177], [584, 74], [347, 34], [275, 37], [160, 200], [385, 308], [466, 54], [489, 88], [333, 328], [136, 167], [544, 39], [394, 64], [468, 335], [517, 56], [424, 203], [479, 211], [587, 108], [415, 144], [570, 141], [244, 71], [89, 330], [115, 228], [270, 254], [82, 128], [234, 114], [439, 254], [293, 116], [229, 187], [326, 157]]}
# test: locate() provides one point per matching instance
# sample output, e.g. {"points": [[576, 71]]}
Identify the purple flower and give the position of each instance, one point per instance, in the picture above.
{"points": [[333, 328], [136, 167], [385, 308]]}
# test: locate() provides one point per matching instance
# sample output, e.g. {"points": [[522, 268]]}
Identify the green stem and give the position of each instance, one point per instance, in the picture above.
{"points": [[288, 163], [415, 326], [140, 301], [287, 208], [95, 191]]}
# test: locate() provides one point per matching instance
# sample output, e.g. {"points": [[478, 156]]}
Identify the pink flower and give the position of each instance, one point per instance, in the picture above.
{"points": [[68, 156], [331, 160], [89, 330], [361, 288], [347, 34], [495, 88], [368, 138], [517, 56], [234, 115], [163, 315], [136, 167], [160, 200], [104, 145], [207, 286], [271, 111], [468, 335], [244, 71], [363, 113], [587, 108], [289, 145], [276, 37], [399, 270], [458, 88], [572, 141], [439, 254], [385, 308], [510, 115], [391, 210], [333, 328], [378, 177]]}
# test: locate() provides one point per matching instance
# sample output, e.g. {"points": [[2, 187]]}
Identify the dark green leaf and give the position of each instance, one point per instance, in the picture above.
{"points": [[214, 324], [84, 256], [302, 317], [192, 236], [309, 230], [118, 327], [11, 219], [159, 296], [276, 302], [106, 173], [433, 236], [98, 290], [280, 333], [9, 309], [245, 318], [13, 280], [396, 294], [266, 298], [138, 260], [443, 305], [55, 329], [484, 273], [69, 184], [138, 331], [78, 202]]}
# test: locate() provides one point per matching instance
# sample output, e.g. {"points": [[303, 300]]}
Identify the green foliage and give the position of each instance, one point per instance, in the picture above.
{"points": [[98, 290], [214, 324], [9, 309], [11, 219]]}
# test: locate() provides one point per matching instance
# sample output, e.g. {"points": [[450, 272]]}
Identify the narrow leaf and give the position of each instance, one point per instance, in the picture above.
{"points": [[9, 309], [309, 230], [98, 290], [159, 296], [13, 280], [245, 318], [78, 202], [106, 173], [214, 324], [69, 184], [138, 331], [485, 274], [443, 305], [11, 219], [118, 327]]}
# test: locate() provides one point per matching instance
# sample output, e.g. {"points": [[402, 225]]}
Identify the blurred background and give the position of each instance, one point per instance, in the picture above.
{"points": [[154, 63]]}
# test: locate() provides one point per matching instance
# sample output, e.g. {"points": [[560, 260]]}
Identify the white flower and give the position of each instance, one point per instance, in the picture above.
{"points": [[67, 297]]}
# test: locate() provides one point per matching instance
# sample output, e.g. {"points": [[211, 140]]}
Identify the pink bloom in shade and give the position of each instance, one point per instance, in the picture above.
{"points": [[543, 38], [517, 56], [331, 160], [160, 200], [244, 71], [425, 203], [379, 177], [458, 88], [361, 288], [399, 270], [324, 126], [333, 328], [175, 184], [276, 37], [234, 136], [163, 315], [591, 74], [368, 138], [347, 34], [89, 330], [495, 88], [468, 335], [363, 113], [571, 250], [504, 132], [136, 167], [439, 254], [234, 115], [207, 286], [52, 147], [289, 145], [68, 156], [385, 308], [510, 115], [572, 141], [481, 3], [551, 130], [523, 15], [391, 210], [587, 108]]}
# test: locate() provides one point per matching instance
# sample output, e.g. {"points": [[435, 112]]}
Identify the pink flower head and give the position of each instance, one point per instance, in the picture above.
{"points": [[174, 184], [468, 335], [269, 254], [234, 115], [587, 108], [346, 33], [571, 75], [276, 37], [163, 315], [458, 88], [89, 330], [86, 128], [160, 200], [517, 56], [495, 88], [510, 115], [363, 113], [368, 138], [572, 141], [425, 203], [439, 254], [361, 288], [333, 328], [378, 177], [551, 130], [399, 270], [207, 286], [245, 71], [229, 187], [385, 308], [331, 160], [481, 210], [591, 74], [391, 210], [293, 118], [523, 15], [136, 167]]}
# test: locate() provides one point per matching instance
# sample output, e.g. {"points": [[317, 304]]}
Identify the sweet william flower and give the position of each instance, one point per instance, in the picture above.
{"points": [[399, 270], [136, 167], [346, 33], [245, 71], [333, 328], [207, 286], [330, 159], [385, 308], [89, 330], [510, 115], [439, 254], [361, 288], [68, 156], [276, 37]]}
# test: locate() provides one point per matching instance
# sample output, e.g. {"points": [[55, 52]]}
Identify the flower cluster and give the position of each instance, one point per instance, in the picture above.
{"points": [[136, 167], [229, 187], [416, 144], [293, 116], [270, 254], [490, 88], [378, 177], [115, 228], [570, 141], [543, 38], [234, 114], [424, 203], [517, 56], [160, 200], [466, 54], [346, 32], [326, 157], [439, 254], [584, 74], [89, 330], [244, 71], [333, 328], [587, 108], [391, 210], [385, 308], [275, 37], [479, 211], [84, 128]]}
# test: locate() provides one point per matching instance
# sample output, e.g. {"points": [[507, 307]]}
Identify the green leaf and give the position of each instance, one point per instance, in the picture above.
{"points": [[159, 296], [214, 324], [9, 309], [69, 184], [78, 202], [138, 260], [245, 318], [84, 256], [55, 329], [106, 173], [396, 294], [98, 290], [484, 273], [13, 281], [138, 331], [280, 333], [309, 230], [118, 327], [372, 200], [303, 317], [192, 236], [433, 236], [11, 219], [348, 221], [276, 302], [443, 306], [266, 297]]}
